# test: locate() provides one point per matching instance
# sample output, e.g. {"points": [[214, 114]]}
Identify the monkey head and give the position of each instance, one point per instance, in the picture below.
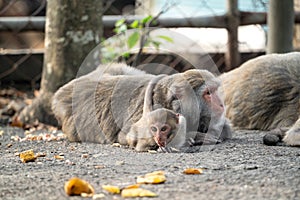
{"points": [[212, 99], [163, 125]]}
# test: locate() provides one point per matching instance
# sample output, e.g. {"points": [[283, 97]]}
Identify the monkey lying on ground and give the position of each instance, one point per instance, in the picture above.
{"points": [[95, 108], [264, 94], [161, 127], [115, 69]]}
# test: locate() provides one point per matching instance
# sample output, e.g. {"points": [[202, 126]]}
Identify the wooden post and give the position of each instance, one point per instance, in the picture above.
{"points": [[281, 26], [232, 55]]}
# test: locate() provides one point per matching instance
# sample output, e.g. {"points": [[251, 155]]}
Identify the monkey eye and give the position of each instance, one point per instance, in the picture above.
{"points": [[207, 92], [164, 128], [153, 129]]}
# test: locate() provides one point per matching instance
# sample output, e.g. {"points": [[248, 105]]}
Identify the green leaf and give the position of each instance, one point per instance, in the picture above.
{"points": [[156, 44], [119, 22], [126, 55], [134, 24], [146, 19], [132, 40], [166, 38]]}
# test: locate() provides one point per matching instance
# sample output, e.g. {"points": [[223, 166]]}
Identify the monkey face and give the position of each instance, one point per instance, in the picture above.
{"points": [[160, 132], [212, 99]]}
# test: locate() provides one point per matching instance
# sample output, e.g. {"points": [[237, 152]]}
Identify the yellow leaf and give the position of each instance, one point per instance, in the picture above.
{"points": [[132, 186], [137, 192], [111, 189], [27, 156], [155, 173], [77, 186], [193, 171], [153, 178]]}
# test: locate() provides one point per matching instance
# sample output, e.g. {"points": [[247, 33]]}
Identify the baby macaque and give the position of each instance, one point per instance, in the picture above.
{"points": [[161, 128]]}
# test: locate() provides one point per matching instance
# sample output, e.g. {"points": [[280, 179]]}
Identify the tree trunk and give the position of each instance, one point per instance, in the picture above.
{"points": [[232, 55], [280, 23], [73, 29]]}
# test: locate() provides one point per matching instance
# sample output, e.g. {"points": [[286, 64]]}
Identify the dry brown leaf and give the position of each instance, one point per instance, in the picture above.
{"points": [[77, 186], [111, 189], [137, 192], [27, 156], [193, 171], [155, 177], [16, 122]]}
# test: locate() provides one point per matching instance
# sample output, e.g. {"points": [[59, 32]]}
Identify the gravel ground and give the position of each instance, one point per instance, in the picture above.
{"points": [[242, 168]]}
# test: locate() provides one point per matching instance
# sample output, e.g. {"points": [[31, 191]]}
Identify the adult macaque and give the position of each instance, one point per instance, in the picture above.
{"points": [[264, 94], [95, 108], [115, 69], [161, 128]]}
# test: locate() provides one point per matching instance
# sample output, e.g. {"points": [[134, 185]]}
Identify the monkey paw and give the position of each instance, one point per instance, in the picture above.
{"points": [[167, 150], [203, 139]]}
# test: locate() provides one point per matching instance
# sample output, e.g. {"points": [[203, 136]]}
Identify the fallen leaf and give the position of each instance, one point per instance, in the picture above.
{"points": [[98, 196], [137, 192], [193, 171], [152, 151], [39, 154], [111, 189], [16, 122], [77, 186], [132, 186], [153, 178], [86, 195], [116, 145], [58, 157], [27, 156]]}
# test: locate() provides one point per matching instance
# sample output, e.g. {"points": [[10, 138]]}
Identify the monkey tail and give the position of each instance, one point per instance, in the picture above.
{"points": [[149, 93]]}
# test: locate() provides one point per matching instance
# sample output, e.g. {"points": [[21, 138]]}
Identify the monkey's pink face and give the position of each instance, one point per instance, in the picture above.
{"points": [[160, 133], [210, 95]]}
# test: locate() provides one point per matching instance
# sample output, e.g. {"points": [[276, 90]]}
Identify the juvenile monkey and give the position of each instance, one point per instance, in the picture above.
{"points": [[101, 110], [264, 94], [161, 128]]}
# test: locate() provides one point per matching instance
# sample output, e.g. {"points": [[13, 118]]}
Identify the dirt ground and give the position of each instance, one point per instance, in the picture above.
{"points": [[242, 168]]}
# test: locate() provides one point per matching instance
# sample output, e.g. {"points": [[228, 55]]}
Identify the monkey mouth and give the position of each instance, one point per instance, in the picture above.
{"points": [[159, 143]]}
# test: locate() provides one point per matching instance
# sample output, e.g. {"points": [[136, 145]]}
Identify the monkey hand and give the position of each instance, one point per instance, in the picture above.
{"points": [[167, 150], [274, 137], [203, 139]]}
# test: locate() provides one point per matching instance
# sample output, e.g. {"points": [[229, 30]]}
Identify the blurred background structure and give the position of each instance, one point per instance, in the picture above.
{"points": [[230, 31]]}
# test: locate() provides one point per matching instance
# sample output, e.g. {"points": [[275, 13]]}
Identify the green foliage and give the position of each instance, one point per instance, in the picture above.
{"points": [[112, 47], [133, 39]]}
